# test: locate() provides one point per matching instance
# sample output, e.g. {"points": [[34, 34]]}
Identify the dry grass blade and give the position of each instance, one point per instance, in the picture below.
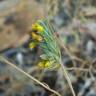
{"points": [[29, 76]]}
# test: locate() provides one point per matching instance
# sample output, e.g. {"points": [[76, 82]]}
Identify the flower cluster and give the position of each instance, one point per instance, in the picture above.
{"points": [[35, 36], [43, 35]]}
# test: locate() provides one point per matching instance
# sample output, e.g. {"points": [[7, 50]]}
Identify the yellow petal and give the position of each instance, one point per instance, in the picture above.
{"points": [[47, 64], [37, 27], [41, 65], [44, 64], [32, 45], [37, 37]]}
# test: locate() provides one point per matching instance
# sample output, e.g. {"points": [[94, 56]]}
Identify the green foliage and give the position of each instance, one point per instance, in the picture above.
{"points": [[49, 45]]}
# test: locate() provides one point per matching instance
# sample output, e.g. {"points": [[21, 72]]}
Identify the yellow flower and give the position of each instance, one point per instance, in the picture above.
{"points": [[37, 27], [32, 45], [36, 37], [44, 64]]}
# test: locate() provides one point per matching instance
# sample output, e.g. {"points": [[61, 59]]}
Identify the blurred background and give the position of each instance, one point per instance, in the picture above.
{"points": [[75, 23]]}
